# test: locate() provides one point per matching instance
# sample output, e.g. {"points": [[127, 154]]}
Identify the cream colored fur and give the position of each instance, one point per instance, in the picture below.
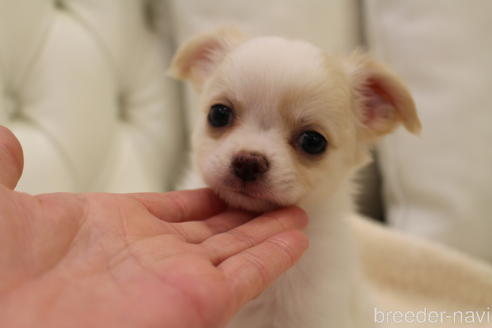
{"points": [[278, 88]]}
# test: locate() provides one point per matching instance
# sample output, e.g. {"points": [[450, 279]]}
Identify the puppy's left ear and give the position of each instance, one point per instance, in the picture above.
{"points": [[196, 59], [382, 101]]}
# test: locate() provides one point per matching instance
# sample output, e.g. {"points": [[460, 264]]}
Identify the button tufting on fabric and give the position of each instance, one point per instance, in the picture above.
{"points": [[11, 105], [122, 108], [59, 4]]}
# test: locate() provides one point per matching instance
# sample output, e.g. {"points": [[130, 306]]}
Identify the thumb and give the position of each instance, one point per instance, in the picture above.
{"points": [[11, 158]]}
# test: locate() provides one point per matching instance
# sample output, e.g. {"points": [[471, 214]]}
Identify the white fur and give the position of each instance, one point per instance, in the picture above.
{"points": [[267, 80]]}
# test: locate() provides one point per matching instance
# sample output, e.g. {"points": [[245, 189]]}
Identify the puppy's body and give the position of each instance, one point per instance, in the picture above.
{"points": [[282, 123], [326, 287]]}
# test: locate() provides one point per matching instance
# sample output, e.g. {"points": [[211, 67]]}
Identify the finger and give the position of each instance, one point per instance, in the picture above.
{"points": [[224, 245], [179, 206], [198, 231], [250, 272], [11, 158]]}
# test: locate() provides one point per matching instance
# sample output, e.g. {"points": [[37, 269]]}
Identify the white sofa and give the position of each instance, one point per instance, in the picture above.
{"points": [[83, 86], [84, 89]]}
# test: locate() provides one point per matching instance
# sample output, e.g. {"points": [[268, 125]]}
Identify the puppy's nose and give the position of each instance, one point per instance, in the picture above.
{"points": [[249, 166]]}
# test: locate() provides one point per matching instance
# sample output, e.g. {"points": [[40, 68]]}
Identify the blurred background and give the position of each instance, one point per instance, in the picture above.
{"points": [[83, 85]]}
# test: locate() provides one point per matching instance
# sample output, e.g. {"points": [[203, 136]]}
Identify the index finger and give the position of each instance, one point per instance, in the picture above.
{"points": [[250, 272], [183, 205]]}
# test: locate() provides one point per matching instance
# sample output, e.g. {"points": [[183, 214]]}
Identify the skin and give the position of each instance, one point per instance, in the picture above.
{"points": [[179, 259]]}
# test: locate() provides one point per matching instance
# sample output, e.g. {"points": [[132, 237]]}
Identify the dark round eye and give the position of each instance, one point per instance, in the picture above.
{"points": [[312, 142], [220, 115]]}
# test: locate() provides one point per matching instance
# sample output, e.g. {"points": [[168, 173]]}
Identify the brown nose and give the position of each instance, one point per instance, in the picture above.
{"points": [[249, 166]]}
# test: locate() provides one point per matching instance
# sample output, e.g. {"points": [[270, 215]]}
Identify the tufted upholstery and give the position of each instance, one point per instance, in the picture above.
{"points": [[83, 86]]}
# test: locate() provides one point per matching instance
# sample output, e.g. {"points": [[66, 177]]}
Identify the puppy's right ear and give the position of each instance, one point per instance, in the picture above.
{"points": [[382, 101], [197, 59]]}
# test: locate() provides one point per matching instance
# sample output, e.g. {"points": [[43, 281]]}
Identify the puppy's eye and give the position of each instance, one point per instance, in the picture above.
{"points": [[312, 142], [220, 115]]}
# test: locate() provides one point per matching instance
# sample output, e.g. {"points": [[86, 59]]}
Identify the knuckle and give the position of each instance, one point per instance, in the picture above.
{"points": [[178, 205], [259, 266], [284, 249], [242, 238], [180, 232]]}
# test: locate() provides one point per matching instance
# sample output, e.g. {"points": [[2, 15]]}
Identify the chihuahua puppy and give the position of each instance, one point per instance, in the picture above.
{"points": [[283, 123]]}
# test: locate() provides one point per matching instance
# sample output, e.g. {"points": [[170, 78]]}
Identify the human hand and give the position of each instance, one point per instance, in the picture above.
{"points": [[177, 259]]}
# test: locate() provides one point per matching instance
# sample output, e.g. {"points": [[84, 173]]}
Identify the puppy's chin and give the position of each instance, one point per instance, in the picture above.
{"points": [[254, 198], [243, 201]]}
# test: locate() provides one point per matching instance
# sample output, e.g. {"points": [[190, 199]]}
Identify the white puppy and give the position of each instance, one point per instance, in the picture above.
{"points": [[283, 123]]}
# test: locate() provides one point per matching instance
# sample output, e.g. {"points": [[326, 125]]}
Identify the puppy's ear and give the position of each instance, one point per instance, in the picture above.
{"points": [[197, 59], [382, 101]]}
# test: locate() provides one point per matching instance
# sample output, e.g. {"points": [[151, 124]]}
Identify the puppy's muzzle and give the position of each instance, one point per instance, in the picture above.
{"points": [[249, 166]]}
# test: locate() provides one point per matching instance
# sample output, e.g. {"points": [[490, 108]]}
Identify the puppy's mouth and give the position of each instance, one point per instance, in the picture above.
{"points": [[253, 192], [247, 191], [249, 196]]}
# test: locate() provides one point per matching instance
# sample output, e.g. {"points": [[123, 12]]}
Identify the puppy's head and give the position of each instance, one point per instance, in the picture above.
{"points": [[280, 118]]}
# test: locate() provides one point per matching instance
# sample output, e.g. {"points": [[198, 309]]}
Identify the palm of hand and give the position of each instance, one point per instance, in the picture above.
{"points": [[134, 260], [107, 248]]}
